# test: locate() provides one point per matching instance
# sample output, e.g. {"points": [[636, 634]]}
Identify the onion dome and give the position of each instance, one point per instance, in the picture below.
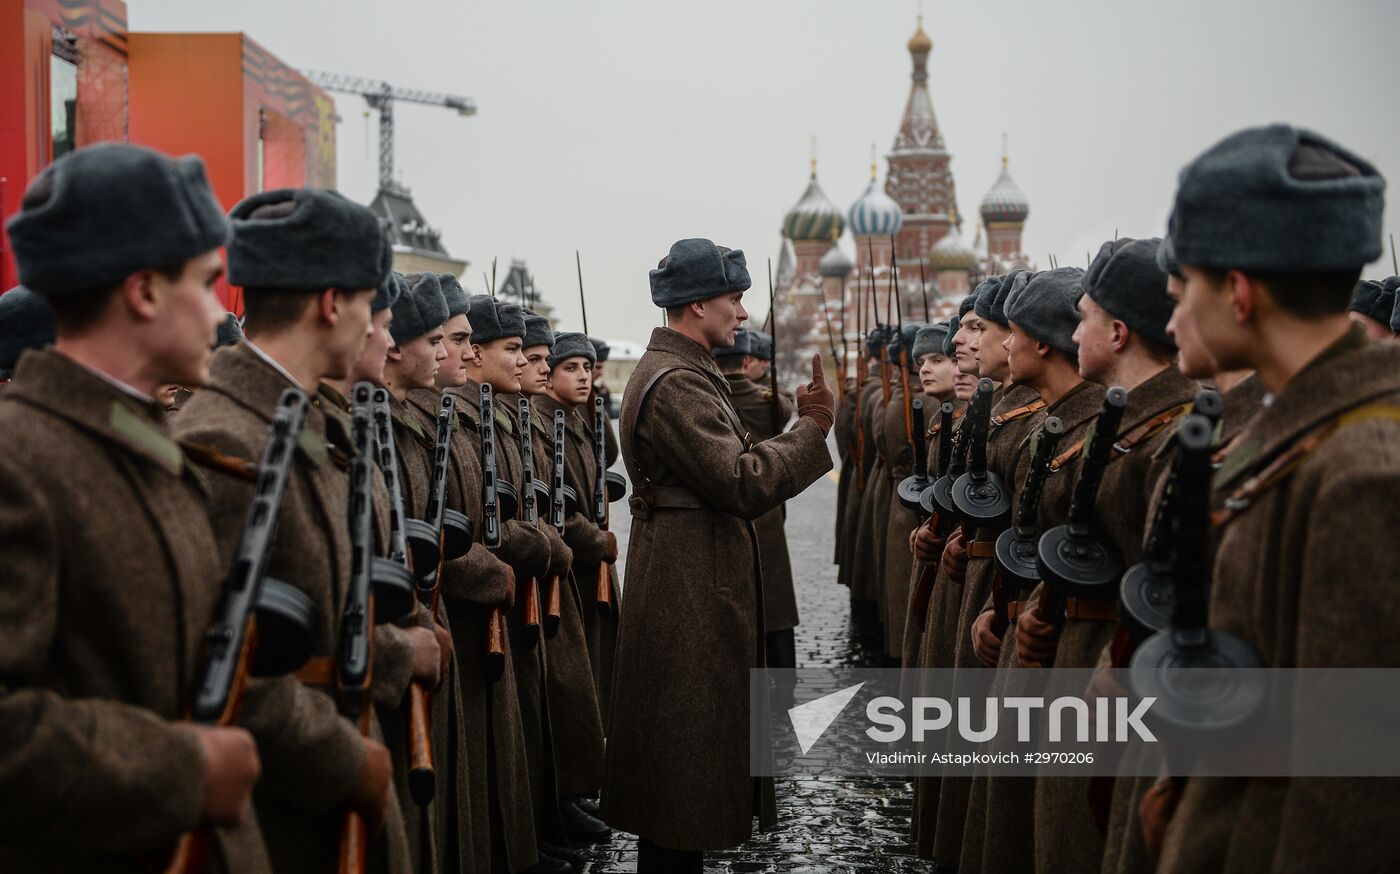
{"points": [[814, 217], [835, 263], [952, 253], [920, 43], [1005, 202], [875, 213]]}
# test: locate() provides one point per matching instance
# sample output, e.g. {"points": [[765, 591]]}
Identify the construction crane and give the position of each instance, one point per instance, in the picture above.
{"points": [[382, 96]]}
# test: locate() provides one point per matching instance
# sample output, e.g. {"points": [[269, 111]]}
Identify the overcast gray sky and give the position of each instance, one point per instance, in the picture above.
{"points": [[618, 127]]}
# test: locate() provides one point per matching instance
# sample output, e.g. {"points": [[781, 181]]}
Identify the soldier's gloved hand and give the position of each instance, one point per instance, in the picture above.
{"points": [[815, 400], [610, 549], [427, 656], [369, 797], [986, 645], [560, 555], [1035, 639], [525, 547], [928, 546], [231, 769], [955, 556]]}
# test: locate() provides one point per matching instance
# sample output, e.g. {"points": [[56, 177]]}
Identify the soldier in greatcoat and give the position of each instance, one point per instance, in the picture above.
{"points": [[998, 830], [1303, 567], [310, 263], [677, 770], [1123, 341], [26, 322], [111, 570]]}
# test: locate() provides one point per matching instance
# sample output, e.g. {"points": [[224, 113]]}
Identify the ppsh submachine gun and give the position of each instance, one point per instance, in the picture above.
{"points": [[498, 503], [534, 494], [262, 627], [607, 488], [1015, 556]]}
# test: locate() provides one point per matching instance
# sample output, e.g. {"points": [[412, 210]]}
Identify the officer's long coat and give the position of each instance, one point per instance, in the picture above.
{"points": [[311, 756], [844, 431], [755, 410], [1306, 575], [678, 737], [111, 577]]}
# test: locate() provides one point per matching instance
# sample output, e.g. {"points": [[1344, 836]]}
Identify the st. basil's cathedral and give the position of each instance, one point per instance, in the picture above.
{"points": [[917, 207]]}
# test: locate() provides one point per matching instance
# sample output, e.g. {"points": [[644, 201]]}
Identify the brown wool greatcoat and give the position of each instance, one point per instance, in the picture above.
{"points": [[936, 646], [868, 550], [896, 559], [914, 629], [755, 410], [1066, 836], [588, 543], [575, 720], [844, 432], [999, 829], [450, 814], [527, 549], [1306, 575], [600, 626], [678, 735], [1005, 446], [1123, 846], [472, 587], [111, 578], [311, 756], [855, 497]]}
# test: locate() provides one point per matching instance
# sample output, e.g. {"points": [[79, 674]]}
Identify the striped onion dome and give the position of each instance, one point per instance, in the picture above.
{"points": [[835, 263], [1005, 202], [875, 213], [952, 253], [814, 217]]}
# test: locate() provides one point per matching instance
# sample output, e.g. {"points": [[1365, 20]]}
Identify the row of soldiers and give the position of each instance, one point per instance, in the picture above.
{"points": [[1247, 317], [136, 463]]}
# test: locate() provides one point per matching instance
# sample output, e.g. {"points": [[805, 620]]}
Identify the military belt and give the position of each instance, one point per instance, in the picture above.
{"points": [[663, 498]]}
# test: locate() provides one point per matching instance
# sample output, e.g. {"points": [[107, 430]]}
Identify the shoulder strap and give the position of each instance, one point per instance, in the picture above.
{"points": [[1034, 406], [1285, 463], [1131, 438]]}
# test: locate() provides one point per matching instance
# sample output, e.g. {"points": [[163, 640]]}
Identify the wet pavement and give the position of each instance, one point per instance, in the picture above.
{"points": [[827, 824]]}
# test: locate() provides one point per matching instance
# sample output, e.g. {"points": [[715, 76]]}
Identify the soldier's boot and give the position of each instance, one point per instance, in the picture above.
{"points": [[581, 827]]}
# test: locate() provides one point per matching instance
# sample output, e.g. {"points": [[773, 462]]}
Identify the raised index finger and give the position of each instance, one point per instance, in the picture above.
{"points": [[818, 373]]}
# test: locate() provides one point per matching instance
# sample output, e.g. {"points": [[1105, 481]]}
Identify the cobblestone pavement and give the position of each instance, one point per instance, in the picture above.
{"points": [[825, 824]]}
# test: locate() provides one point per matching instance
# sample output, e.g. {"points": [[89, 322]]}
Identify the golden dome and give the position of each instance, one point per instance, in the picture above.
{"points": [[920, 42]]}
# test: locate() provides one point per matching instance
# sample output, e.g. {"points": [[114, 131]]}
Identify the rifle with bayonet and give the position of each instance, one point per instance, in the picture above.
{"points": [[601, 511], [776, 402], [237, 645]]}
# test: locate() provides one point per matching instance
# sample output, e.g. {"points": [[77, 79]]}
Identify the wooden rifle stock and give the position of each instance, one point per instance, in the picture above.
{"points": [[232, 639]]}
